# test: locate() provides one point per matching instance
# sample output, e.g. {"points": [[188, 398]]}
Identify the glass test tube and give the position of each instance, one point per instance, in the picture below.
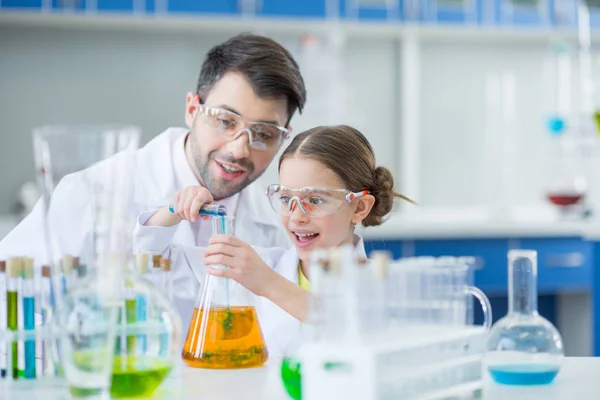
{"points": [[68, 272], [13, 273], [28, 293], [165, 266], [156, 272], [142, 260], [46, 304]]}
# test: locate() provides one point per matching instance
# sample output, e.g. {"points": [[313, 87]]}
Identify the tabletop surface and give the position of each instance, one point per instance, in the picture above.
{"points": [[578, 379]]}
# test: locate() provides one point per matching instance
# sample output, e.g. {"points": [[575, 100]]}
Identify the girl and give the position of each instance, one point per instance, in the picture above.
{"points": [[328, 183]]}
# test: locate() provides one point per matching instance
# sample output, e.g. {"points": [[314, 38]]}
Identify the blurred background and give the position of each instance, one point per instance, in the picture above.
{"points": [[485, 110]]}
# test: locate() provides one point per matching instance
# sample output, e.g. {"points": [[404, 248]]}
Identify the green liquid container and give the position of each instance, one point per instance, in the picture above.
{"points": [[138, 377], [292, 377]]}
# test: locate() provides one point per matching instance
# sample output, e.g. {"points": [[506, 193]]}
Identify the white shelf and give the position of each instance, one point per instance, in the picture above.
{"points": [[203, 23]]}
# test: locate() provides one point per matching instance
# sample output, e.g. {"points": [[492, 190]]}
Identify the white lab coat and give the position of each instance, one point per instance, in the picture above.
{"points": [[282, 332], [155, 186]]}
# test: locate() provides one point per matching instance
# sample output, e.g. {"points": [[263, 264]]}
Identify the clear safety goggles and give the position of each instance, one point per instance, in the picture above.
{"points": [[316, 201], [261, 135]]}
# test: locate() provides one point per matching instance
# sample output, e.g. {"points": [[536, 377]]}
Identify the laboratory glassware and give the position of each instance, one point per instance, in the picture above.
{"points": [[98, 196], [422, 346], [568, 187], [224, 331], [290, 369], [557, 82], [524, 348], [147, 345]]}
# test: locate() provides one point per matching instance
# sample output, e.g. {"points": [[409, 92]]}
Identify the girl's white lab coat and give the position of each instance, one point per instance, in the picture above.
{"points": [[154, 186], [281, 331]]}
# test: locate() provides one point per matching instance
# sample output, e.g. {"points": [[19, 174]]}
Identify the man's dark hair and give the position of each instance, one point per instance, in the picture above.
{"points": [[268, 66]]}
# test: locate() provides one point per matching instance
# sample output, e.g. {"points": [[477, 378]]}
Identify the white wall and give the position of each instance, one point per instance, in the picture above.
{"points": [[458, 166], [50, 76]]}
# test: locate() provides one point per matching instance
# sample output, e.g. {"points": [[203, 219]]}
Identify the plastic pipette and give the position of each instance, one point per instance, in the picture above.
{"points": [[207, 209]]}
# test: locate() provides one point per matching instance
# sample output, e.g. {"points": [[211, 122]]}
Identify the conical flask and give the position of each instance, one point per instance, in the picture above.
{"points": [[224, 331]]}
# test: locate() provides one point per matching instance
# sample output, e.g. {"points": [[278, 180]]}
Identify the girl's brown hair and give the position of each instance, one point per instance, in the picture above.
{"points": [[348, 153]]}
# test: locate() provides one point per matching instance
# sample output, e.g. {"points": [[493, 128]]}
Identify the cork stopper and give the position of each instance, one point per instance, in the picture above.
{"points": [[142, 262], [381, 260], [165, 264], [156, 261], [27, 271], [14, 267], [2, 266], [67, 264], [46, 272]]}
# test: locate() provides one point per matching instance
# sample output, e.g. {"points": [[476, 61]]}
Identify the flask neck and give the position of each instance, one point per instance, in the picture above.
{"points": [[522, 287]]}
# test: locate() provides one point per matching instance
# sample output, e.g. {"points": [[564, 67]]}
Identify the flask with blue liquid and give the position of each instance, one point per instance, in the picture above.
{"points": [[524, 348]]}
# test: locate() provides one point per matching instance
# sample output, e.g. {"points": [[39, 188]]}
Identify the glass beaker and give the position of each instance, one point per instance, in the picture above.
{"points": [[568, 187], [224, 331], [86, 177], [147, 339], [85, 174], [524, 348]]}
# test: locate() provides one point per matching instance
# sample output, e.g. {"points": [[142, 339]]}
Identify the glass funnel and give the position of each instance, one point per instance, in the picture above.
{"points": [[524, 348], [224, 331]]}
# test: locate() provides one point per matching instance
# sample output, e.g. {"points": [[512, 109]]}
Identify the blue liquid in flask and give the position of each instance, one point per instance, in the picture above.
{"points": [[525, 374]]}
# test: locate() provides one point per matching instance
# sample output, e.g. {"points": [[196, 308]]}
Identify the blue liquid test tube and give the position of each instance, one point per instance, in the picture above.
{"points": [[214, 210], [29, 316], [142, 260]]}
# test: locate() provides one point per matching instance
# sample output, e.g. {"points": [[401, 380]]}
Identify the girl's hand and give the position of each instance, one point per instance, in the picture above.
{"points": [[245, 265], [187, 202]]}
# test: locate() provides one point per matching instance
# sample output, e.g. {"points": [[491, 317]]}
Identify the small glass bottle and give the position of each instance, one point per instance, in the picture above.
{"points": [[524, 348], [224, 331]]}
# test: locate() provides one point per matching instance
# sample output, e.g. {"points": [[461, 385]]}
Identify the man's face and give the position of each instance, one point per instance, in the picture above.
{"points": [[226, 166]]}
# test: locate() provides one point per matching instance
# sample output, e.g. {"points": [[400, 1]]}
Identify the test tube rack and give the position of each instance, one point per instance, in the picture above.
{"points": [[422, 364], [46, 373], [390, 330]]}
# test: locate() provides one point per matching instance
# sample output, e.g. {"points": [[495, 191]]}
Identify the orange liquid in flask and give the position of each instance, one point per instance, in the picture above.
{"points": [[223, 338]]}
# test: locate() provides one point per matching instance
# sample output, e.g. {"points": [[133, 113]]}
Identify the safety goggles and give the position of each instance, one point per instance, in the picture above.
{"points": [[315, 201], [229, 125]]}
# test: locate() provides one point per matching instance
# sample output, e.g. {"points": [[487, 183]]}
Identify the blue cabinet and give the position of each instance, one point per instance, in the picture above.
{"points": [[24, 4], [452, 11], [116, 5], [490, 255], [370, 10], [524, 12], [293, 8], [69, 5], [394, 247], [564, 264], [221, 7]]}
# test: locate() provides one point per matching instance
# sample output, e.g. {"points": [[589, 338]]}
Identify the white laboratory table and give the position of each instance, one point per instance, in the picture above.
{"points": [[578, 379]]}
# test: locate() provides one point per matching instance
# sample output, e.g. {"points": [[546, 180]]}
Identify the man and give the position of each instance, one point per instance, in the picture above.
{"points": [[248, 90]]}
